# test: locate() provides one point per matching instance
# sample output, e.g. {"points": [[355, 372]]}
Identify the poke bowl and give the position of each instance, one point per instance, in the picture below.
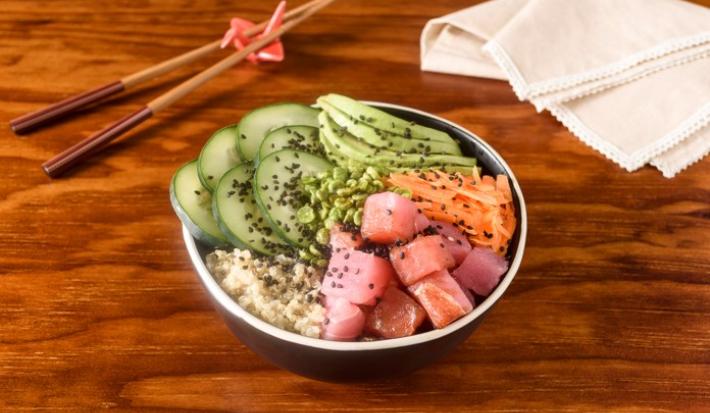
{"points": [[331, 357]]}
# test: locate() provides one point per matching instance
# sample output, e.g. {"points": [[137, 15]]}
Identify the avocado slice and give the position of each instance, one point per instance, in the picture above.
{"points": [[384, 121], [347, 146], [386, 140]]}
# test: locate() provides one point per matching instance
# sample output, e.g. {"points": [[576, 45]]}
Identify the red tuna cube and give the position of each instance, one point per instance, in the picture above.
{"points": [[421, 257], [396, 315], [442, 298], [481, 270], [388, 217], [356, 276], [342, 239]]}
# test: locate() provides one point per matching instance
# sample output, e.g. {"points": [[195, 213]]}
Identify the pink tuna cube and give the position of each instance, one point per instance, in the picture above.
{"points": [[456, 242], [343, 321], [481, 270], [356, 276]]}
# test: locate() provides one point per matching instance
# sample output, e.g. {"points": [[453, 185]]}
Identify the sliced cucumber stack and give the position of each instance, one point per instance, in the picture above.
{"points": [[237, 215], [254, 127], [302, 138], [192, 204], [278, 195], [218, 156]]}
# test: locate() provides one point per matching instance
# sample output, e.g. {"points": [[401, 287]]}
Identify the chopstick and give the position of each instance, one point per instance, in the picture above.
{"points": [[82, 150], [57, 110]]}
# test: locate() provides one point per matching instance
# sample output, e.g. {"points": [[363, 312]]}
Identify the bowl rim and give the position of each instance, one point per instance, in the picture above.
{"points": [[234, 309]]}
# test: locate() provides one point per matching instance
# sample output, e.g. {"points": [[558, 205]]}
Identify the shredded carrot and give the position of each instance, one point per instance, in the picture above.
{"points": [[481, 206]]}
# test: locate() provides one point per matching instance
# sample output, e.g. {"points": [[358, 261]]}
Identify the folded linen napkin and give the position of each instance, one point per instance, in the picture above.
{"points": [[630, 78]]}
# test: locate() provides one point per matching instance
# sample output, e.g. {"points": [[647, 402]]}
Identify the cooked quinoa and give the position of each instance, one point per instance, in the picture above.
{"points": [[279, 290]]}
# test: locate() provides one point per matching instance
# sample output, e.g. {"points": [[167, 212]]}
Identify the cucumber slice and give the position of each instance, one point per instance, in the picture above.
{"points": [[256, 124], [192, 204], [218, 156], [237, 215], [384, 121], [302, 138], [386, 140], [277, 191], [350, 147]]}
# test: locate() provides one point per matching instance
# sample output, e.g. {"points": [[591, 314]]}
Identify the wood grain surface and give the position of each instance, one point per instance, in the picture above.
{"points": [[99, 306]]}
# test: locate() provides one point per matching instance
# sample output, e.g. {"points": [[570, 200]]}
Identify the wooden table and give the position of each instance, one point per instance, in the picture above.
{"points": [[99, 306]]}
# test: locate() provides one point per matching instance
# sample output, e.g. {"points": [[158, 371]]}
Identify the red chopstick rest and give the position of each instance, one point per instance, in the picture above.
{"points": [[274, 52]]}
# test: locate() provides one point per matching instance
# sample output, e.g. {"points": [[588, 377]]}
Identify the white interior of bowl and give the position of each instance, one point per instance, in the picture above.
{"points": [[234, 309]]}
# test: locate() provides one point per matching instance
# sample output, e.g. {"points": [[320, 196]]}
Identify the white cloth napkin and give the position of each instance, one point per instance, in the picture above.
{"points": [[630, 78]]}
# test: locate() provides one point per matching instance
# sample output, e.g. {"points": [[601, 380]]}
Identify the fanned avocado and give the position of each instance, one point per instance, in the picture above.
{"points": [[383, 139], [349, 147], [384, 121]]}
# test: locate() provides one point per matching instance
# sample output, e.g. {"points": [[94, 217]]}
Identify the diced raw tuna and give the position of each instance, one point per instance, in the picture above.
{"points": [[356, 276], [340, 238], [396, 315], [421, 222], [343, 321], [388, 217], [454, 239], [442, 298], [467, 293], [421, 257], [372, 302], [481, 270]]}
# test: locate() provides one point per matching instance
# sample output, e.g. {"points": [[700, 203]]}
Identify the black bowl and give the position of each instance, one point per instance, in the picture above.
{"points": [[348, 361]]}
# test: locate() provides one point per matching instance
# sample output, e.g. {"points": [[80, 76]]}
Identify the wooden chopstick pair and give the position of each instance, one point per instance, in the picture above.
{"points": [[75, 154]]}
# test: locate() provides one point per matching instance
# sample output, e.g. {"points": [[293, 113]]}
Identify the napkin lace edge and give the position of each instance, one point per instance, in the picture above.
{"points": [[637, 159], [525, 90], [542, 103], [669, 171]]}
